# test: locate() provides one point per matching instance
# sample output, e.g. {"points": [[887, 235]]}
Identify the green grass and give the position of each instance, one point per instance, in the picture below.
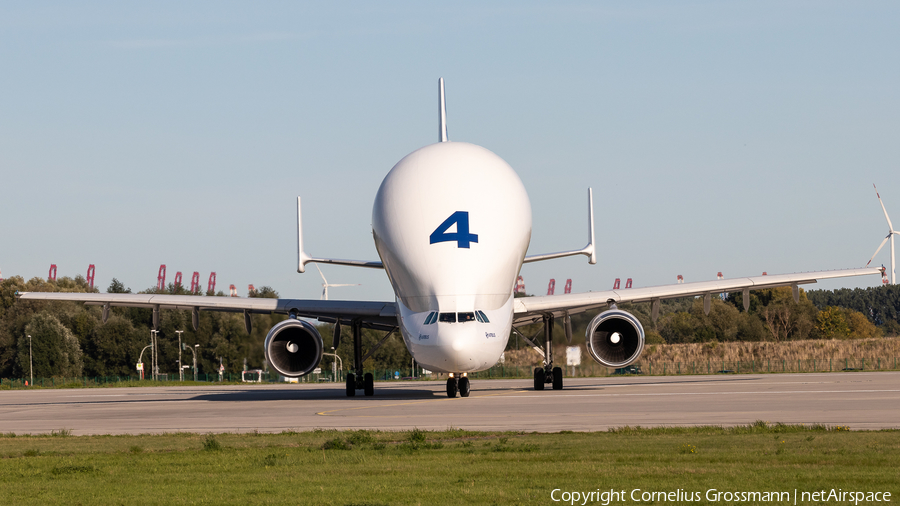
{"points": [[447, 467]]}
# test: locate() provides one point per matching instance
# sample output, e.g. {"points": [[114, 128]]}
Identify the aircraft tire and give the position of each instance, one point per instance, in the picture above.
{"points": [[452, 388], [351, 385], [369, 384], [539, 377], [557, 378], [464, 387]]}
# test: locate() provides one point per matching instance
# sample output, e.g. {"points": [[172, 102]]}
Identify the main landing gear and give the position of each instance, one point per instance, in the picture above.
{"points": [[367, 385], [357, 380], [457, 383], [548, 374]]}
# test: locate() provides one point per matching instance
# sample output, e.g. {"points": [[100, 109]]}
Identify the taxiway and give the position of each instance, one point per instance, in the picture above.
{"points": [[860, 400]]}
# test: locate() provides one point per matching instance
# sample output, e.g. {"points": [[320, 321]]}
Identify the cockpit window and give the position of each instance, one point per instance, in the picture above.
{"points": [[466, 317], [431, 318], [447, 318], [482, 317]]}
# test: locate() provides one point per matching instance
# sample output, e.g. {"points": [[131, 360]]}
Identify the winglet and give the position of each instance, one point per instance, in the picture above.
{"points": [[442, 112], [589, 249], [302, 257]]}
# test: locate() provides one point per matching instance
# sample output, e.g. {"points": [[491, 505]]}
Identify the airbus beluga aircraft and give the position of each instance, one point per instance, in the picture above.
{"points": [[452, 224]]}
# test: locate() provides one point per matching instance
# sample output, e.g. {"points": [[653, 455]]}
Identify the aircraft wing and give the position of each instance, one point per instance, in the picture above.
{"points": [[531, 309], [325, 310]]}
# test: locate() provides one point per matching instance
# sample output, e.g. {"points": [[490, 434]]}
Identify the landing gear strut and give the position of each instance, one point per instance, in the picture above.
{"points": [[458, 384], [548, 374], [357, 380]]}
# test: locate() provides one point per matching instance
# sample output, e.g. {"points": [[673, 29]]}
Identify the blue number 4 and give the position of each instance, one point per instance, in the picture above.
{"points": [[461, 236]]}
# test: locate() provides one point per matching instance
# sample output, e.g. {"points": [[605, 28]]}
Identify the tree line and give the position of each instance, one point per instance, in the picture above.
{"points": [[70, 339], [773, 316]]}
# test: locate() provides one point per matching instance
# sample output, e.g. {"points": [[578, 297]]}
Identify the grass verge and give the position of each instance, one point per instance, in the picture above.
{"points": [[453, 466]]}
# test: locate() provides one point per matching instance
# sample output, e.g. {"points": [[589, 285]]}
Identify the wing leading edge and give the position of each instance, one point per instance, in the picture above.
{"points": [[326, 310]]}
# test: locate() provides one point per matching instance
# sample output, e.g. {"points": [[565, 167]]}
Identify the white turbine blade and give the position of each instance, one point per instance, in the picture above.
{"points": [[888, 218], [879, 249], [320, 274]]}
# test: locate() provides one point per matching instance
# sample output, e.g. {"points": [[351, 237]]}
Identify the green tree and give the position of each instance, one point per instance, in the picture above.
{"points": [[113, 348], [55, 350], [831, 324], [116, 286], [860, 326], [677, 327], [784, 318]]}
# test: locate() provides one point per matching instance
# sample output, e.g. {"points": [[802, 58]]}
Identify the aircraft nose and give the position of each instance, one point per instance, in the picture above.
{"points": [[463, 346]]}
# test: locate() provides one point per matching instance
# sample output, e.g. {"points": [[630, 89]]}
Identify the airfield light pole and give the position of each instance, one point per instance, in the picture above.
{"points": [[180, 369], [195, 359], [141, 359], [334, 364], [154, 352], [30, 362]]}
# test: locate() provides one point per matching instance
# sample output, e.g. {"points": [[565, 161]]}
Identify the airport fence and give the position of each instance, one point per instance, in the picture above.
{"points": [[710, 366], [499, 371]]}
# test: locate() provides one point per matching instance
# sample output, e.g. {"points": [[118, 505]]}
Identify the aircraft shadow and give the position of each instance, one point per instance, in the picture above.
{"points": [[312, 394]]}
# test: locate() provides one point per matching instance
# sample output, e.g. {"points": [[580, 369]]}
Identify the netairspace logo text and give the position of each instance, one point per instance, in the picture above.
{"points": [[679, 496]]}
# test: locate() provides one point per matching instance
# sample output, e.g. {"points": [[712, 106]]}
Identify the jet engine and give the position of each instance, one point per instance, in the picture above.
{"points": [[615, 338], [293, 347]]}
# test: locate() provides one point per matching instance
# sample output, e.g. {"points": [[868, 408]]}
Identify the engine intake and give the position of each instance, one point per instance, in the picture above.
{"points": [[293, 347], [615, 338]]}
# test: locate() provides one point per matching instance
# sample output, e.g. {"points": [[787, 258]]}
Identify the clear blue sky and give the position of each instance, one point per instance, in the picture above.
{"points": [[718, 136]]}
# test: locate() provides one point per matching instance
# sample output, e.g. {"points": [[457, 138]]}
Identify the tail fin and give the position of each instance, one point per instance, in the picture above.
{"points": [[442, 112]]}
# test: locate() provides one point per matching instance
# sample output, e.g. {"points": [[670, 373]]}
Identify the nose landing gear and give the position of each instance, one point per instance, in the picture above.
{"points": [[458, 384]]}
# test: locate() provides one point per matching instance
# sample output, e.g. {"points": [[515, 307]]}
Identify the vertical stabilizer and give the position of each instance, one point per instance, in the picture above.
{"points": [[442, 112]]}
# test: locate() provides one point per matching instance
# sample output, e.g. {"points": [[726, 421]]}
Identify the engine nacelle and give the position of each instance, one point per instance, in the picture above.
{"points": [[615, 338], [293, 347]]}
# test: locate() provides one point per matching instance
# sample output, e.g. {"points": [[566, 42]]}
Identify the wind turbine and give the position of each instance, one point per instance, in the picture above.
{"points": [[326, 284], [891, 233]]}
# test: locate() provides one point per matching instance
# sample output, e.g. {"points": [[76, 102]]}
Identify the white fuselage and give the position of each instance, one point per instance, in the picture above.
{"points": [[452, 223]]}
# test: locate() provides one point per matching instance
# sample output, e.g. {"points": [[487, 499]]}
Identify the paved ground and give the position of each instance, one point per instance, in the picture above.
{"points": [[860, 400]]}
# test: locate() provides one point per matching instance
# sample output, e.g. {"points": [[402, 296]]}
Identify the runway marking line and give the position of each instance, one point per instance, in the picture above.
{"points": [[330, 412], [718, 393]]}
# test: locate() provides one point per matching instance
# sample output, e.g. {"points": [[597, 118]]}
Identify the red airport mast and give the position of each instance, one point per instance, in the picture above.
{"points": [[195, 282], [551, 287], [211, 286], [161, 278], [90, 276], [51, 276]]}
